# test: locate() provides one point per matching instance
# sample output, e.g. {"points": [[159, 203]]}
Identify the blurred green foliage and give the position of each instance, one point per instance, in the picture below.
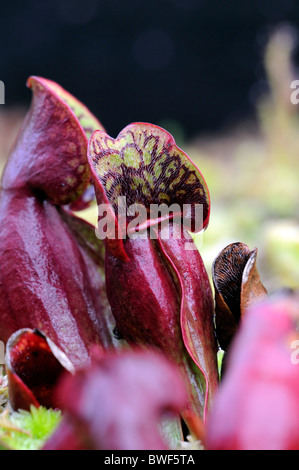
{"points": [[253, 176], [26, 430]]}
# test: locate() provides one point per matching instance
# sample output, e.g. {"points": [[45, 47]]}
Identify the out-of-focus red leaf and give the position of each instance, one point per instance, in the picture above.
{"points": [[118, 402], [256, 406], [65, 438]]}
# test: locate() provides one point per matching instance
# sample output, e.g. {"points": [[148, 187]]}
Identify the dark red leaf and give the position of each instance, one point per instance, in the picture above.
{"points": [[118, 403], [34, 366], [196, 308], [162, 298], [256, 406], [48, 277], [159, 291]]}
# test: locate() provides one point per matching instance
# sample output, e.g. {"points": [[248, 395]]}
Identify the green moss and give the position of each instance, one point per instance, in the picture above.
{"points": [[25, 430]]}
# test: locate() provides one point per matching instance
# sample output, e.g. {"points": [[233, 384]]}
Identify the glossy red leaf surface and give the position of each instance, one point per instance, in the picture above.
{"points": [[118, 403], [48, 276], [49, 155], [158, 290], [34, 366], [155, 303], [256, 406], [196, 307]]}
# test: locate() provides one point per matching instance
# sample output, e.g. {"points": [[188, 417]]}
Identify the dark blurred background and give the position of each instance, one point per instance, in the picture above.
{"points": [[194, 64]]}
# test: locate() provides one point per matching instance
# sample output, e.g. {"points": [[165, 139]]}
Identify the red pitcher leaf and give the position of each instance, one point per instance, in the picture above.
{"points": [[49, 156], [197, 307], [145, 294], [144, 299], [86, 238], [149, 301], [89, 124], [118, 403], [144, 165], [45, 279], [237, 286], [34, 365], [256, 406], [93, 252], [87, 120]]}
